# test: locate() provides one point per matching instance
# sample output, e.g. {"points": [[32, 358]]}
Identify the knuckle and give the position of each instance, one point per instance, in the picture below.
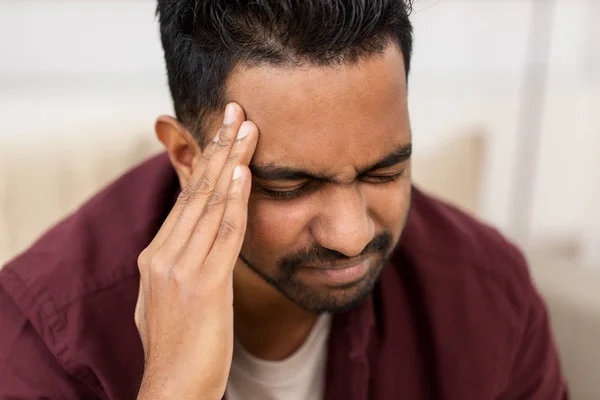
{"points": [[184, 195], [178, 276], [225, 139], [216, 199], [143, 259], [202, 188], [159, 266], [205, 157], [228, 228]]}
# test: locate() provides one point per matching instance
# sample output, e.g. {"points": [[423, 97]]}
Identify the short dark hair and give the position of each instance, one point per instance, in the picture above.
{"points": [[203, 40]]}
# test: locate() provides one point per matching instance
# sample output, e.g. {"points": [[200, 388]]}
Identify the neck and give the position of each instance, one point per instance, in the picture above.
{"points": [[268, 325]]}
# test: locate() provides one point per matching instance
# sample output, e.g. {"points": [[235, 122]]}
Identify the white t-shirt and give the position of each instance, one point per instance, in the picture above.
{"points": [[301, 376]]}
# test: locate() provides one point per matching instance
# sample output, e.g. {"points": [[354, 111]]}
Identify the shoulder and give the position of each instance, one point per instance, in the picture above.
{"points": [[472, 287], [451, 249], [438, 230], [92, 250]]}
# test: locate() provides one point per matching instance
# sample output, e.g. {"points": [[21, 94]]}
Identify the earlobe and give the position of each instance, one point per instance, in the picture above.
{"points": [[182, 147]]}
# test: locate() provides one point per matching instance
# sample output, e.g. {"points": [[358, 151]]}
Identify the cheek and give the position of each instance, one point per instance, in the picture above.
{"points": [[389, 205], [277, 227]]}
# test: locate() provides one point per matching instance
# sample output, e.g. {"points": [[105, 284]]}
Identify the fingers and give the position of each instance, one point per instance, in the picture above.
{"points": [[228, 242], [194, 184], [207, 227], [201, 187]]}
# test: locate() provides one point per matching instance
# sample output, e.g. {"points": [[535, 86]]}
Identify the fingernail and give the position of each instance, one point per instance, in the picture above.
{"points": [[237, 172], [229, 114], [216, 138], [243, 131]]}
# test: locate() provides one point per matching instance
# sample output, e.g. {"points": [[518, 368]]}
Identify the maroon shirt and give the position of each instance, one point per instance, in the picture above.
{"points": [[454, 317]]}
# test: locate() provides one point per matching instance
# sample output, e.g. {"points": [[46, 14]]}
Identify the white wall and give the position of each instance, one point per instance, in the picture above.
{"points": [[65, 63]]}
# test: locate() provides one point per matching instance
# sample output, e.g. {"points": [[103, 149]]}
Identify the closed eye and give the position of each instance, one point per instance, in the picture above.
{"points": [[294, 193], [286, 194], [382, 178]]}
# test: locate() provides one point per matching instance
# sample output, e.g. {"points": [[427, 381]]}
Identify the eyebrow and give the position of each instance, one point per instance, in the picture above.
{"points": [[271, 172]]}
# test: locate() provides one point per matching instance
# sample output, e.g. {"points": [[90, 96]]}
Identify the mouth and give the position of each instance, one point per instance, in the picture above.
{"points": [[340, 273], [338, 266]]}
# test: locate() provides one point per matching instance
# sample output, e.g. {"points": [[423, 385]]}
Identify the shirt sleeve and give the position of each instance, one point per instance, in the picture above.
{"points": [[28, 370], [536, 368]]}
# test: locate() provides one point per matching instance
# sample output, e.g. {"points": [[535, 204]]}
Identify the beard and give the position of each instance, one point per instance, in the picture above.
{"points": [[321, 299]]}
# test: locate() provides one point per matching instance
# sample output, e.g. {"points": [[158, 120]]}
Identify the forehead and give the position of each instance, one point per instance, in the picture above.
{"points": [[332, 120]]}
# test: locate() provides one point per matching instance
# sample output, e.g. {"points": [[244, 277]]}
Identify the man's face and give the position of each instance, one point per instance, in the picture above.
{"points": [[331, 177]]}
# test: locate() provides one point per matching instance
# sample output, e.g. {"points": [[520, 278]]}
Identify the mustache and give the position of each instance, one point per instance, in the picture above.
{"points": [[380, 244]]}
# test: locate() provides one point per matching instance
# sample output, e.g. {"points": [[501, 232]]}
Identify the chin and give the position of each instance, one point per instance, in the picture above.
{"points": [[338, 304], [320, 299], [317, 294]]}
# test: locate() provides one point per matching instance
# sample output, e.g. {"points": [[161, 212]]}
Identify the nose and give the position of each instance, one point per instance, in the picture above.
{"points": [[343, 223]]}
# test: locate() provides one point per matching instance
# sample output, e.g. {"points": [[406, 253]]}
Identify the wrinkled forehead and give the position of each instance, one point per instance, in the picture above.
{"points": [[326, 119]]}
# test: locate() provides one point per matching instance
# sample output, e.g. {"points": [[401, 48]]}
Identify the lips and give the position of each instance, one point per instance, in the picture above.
{"points": [[338, 266], [341, 275]]}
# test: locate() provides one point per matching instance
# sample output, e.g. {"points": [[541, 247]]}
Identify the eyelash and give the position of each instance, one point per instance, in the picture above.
{"points": [[292, 194]]}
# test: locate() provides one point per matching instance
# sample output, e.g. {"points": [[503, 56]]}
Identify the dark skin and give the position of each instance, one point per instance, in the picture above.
{"points": [[331, 174]]}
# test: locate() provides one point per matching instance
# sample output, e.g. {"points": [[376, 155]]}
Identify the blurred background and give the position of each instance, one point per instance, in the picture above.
{"points": [[505, 107]]}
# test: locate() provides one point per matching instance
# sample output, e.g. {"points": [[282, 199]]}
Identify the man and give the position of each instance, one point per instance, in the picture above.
{"points": [[278, 249]]}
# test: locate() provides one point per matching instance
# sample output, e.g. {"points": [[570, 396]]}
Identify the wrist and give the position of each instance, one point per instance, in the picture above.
{"points": [[172, 390]]}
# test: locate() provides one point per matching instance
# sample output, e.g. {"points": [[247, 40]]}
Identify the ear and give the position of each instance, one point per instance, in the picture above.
{"points": [[184, 151]]}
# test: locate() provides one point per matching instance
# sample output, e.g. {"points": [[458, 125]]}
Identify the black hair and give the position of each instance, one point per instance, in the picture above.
{"points": [[203, 40]]}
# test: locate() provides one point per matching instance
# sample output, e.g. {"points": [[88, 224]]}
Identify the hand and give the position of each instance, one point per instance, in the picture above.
{"points": [[184, 311]]}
